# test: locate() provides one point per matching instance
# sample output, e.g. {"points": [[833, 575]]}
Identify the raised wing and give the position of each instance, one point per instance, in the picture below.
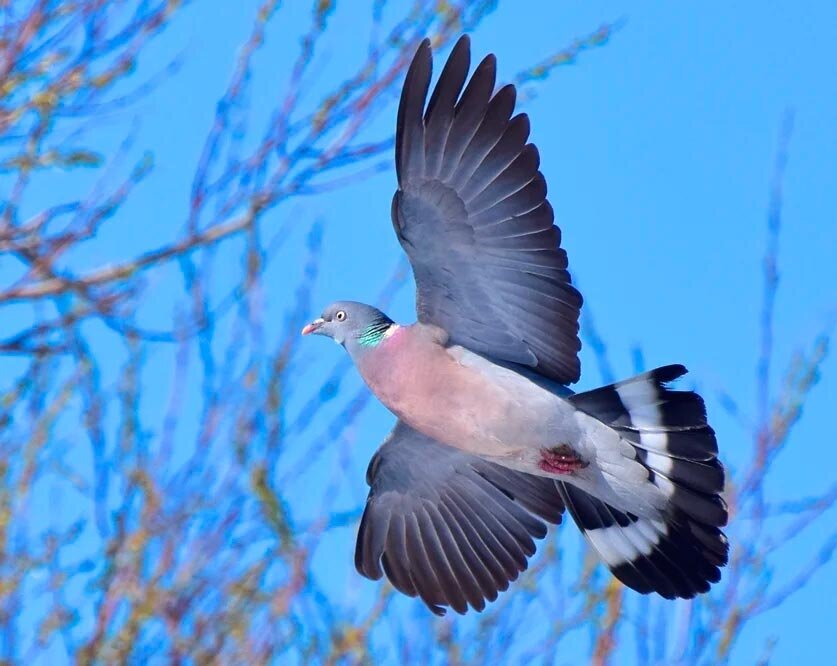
{"points": [[472, 215], [448, 527]]}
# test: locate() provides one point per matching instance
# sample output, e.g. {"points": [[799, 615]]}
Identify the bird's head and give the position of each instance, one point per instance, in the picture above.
{"points": [[356, 326]]}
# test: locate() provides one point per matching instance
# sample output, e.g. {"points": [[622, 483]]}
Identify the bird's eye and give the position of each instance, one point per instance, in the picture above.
{"points": [[340, 316]]}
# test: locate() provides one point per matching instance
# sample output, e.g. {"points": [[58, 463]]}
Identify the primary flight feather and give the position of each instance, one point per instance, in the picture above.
{"points": [[490, 442]]}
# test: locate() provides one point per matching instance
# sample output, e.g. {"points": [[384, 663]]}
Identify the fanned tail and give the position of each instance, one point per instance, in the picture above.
{"points": [[680, 554]]}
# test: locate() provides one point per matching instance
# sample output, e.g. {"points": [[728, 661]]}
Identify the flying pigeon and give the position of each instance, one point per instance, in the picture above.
{"points": [[490, 444]]}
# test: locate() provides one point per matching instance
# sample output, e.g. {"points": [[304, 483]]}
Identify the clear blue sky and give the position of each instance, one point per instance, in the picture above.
{"points": [[658, 151]]}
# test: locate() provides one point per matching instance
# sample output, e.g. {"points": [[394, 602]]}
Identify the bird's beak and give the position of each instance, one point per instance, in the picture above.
{"points": [[313, 327]]}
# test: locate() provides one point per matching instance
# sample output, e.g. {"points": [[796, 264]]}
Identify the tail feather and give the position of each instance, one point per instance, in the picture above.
{"points": [[680, 554], [666, 557]]}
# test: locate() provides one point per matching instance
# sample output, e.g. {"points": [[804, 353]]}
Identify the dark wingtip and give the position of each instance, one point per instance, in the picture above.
{"points": [[489, 62], [439, 611], [464, 42], [423, 57], [423, 48], [668, 373], [461, 51]]}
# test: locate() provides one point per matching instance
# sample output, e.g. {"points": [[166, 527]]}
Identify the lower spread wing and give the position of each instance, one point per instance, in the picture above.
{"points": [[472, 215], [446, 526]]}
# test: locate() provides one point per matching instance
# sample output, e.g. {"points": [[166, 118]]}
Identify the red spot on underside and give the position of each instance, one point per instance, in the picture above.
{"points": [[561, 460]]}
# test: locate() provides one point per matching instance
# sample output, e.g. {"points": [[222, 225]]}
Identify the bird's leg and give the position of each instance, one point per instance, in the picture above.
{"points": [[561, 460]]}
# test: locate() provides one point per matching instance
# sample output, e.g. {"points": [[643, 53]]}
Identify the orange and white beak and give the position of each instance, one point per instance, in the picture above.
{"points": [[313, 327]]}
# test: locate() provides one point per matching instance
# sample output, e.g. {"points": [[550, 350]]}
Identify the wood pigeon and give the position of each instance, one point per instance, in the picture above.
{"points": [[490, 443]]}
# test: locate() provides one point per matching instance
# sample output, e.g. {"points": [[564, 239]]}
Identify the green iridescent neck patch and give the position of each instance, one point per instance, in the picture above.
{"points": [[374, 333]]}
